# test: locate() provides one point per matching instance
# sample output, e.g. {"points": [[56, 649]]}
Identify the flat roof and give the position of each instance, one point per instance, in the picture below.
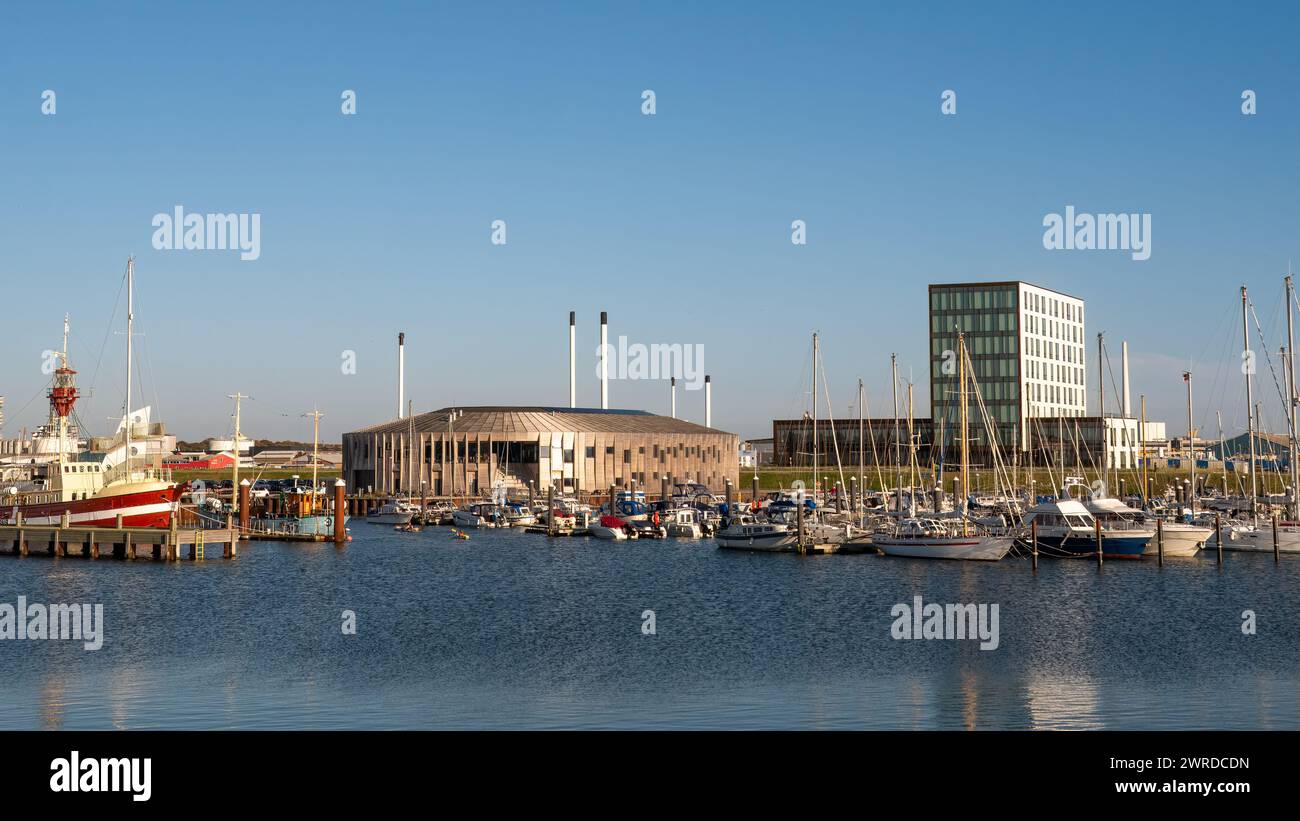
{"points": [[1003, 284]]}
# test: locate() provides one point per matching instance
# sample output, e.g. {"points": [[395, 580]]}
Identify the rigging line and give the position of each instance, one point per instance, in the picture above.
{"points": [[1268, 357], [830, 413], [108, 330]]}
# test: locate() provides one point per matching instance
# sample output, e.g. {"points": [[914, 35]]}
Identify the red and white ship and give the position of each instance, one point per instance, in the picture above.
{"points": [[93, 490]]}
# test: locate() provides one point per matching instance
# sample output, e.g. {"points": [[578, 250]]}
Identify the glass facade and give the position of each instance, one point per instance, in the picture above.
{"points": [[989, 316], [1026, 349]]}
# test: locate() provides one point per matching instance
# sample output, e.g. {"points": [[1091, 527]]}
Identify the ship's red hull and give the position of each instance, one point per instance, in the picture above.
{"points": [[152, 508]]}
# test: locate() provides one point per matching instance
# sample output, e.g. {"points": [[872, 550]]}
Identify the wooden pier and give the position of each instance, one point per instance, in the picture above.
{"points": [[130, 543]]}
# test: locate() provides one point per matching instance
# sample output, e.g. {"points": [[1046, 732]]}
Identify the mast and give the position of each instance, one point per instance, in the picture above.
{"points": [[862, 449], [814, 419], [1101, 407], [1223, 451], [130, 324], [1191, 444], [234, 470], [1250, 415], [1142, 445], [1291, 393], [961, 392], [315, 444], [898, 453]]}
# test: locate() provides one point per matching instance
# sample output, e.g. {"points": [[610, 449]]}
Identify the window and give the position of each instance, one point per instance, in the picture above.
{"points": [[591, 452]]}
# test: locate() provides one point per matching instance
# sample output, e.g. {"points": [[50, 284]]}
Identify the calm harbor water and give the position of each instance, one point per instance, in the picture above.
{"points": [[511, 630]]}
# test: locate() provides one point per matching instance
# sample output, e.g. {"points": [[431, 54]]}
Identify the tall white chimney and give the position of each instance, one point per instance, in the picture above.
{"points": [[672, 392], [604, 361], [1124, 402], [573, 362], [401, 375], [708, 401]]}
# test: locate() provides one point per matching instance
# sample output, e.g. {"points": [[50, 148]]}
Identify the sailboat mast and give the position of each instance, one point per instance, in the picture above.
{"points": [[814, 420], [130, 325], [1250, 415], [1142, 449], [898, 452], [1290, 394], [1191, 445], [1223, 451], [862, 447], [961, 392]]}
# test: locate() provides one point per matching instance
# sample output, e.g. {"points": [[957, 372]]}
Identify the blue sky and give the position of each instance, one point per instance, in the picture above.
{"points": [[678, 224]]}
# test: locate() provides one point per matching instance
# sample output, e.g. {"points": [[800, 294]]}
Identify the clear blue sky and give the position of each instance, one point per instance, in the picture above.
{"points": [[677, 224]]}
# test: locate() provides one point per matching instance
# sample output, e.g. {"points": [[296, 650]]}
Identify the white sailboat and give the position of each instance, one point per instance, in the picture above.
{"points": [[932, 539]]}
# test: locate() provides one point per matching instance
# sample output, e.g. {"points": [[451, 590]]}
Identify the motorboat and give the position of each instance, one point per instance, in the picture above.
{"points": [[393, 512], [746, 532], [479, 514], [608, 527], [1065, 527]]}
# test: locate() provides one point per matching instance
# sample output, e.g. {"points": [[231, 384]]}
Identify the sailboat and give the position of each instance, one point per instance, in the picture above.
{"points": [[930, 538], [1257, 537], [94, 492]]}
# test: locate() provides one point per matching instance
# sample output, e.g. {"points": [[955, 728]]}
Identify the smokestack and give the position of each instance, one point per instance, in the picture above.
{"points": [[672, 390], [1124, 403], [604, 361], [573, 362], [708, 401], [401, 375]]}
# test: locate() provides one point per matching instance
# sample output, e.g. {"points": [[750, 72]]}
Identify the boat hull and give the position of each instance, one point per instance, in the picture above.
{"points": [[612, 534], [1261, 540], [1112, 546], [1180, 541], [971, 549], [777, 543], [390, 518], [145, 508]]}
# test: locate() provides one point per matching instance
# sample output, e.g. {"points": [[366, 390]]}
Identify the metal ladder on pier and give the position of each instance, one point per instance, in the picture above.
{"points": [[198, 544]]}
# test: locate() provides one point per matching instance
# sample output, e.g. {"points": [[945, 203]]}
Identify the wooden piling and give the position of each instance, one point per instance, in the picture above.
{"points": [[1277, 550], [340, 512], [244, 510], [1160, 541], [1218, 536], [1097, 527], [799, 520]]}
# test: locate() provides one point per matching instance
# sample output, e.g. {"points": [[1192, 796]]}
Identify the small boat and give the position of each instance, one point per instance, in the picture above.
{"points": [[519, 515], [393, 512], [630, 505], [481, 514], [609, 527], [683, 523], [460, 534], [746, 532], [408, 528], [923, 538]]}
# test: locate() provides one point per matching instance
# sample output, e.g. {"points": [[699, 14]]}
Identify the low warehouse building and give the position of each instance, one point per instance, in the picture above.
{"points": [[466, 451]]}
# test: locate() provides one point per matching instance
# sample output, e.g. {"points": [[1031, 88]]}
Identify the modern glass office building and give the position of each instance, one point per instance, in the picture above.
{"points": [[1026, 347]]}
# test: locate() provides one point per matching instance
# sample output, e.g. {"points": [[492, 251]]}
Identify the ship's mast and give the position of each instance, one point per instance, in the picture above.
{"points": [[234, 471], [965, 461], [315, 444], [1250, 414], [130, 325]]}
